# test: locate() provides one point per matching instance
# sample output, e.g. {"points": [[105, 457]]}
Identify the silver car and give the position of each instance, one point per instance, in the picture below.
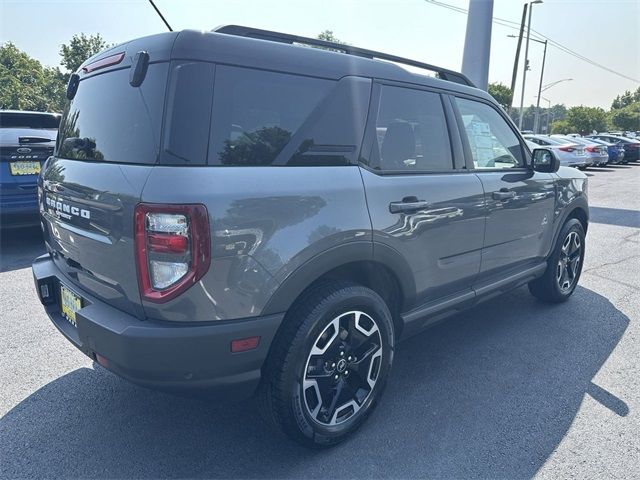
{"points": [[596, 153], [569, 154]]}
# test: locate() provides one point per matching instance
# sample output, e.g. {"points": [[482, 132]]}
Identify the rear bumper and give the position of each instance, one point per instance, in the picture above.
{"points": [[19, 210], [161, 355]]}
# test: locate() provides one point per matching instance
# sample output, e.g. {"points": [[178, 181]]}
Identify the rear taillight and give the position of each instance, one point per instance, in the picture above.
{"points": [[567, 148], [173, 248], [593, 149]]}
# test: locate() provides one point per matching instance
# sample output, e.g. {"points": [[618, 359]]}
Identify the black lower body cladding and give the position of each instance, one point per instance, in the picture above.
{"points": [[161, 355]]}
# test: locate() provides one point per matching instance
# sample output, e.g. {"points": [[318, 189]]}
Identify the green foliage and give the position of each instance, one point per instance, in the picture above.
{"points": [[501, 93], [627, 118], [79, 48], [561, 126], [626, 99], [25, 84], [328, 36], [586, 119]]}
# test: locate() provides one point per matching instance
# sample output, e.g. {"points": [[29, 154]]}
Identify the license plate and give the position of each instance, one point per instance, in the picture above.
{"points": [[24, 168], [70, 304]]}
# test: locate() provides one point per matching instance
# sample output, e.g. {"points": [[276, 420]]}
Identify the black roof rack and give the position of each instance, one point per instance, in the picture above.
{"points": [[241, 31]]}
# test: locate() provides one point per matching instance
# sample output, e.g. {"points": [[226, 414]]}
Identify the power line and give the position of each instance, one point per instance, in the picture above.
{"points": [[516, 26]]}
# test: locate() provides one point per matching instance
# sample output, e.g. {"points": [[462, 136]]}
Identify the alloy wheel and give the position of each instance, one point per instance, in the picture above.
{"points": [[568, 267], [342, 368]]}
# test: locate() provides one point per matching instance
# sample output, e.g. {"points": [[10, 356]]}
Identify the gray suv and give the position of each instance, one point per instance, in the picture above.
{"points": [[235, 212]]}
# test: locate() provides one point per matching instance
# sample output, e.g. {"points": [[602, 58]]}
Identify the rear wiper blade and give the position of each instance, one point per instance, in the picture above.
{"points": [[34, 140]]}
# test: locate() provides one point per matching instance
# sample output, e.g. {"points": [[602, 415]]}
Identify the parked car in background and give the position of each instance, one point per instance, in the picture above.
{"points": [[631, 145], [288, 229], [570, 154], [615, 151], [597, 154], [26, 140]]}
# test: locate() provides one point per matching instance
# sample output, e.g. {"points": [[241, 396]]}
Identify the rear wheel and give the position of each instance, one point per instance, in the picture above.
{"points": [[329, 364], [564, 265]]}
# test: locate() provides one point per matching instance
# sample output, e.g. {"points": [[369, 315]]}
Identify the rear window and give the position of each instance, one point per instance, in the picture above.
{"points": [[109, 120], [256, 114], [40, 121]]}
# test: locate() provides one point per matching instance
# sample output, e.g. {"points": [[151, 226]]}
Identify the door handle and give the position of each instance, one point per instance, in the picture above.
{"points": [[503, 194], [407, 205]]}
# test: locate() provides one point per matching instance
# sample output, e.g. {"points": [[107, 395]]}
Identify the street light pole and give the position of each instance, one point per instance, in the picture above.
{"points": [[537, 117], [526, 62], [514, 75]]}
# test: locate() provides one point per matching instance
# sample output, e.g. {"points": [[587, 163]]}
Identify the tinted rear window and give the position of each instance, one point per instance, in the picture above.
{"points": [[109, 120], [256, 114], [29, 120]]}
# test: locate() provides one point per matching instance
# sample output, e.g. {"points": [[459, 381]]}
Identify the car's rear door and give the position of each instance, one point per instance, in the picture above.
{"points": [[519, 201], [423, 203]]}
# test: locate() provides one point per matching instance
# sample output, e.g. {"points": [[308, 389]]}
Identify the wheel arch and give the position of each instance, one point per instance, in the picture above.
{"points": [[579, 210], [385, 272]]}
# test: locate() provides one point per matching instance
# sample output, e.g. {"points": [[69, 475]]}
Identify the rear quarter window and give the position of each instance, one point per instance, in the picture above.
{"points": [[256, 114], [109, 120]]}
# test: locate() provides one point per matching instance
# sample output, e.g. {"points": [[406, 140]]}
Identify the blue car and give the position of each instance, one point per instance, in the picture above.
{"points": [[27, 139], [615, 151]]}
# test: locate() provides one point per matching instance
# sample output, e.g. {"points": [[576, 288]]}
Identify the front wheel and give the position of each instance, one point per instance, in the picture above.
{"points": [[564, 266], [329, 364]]}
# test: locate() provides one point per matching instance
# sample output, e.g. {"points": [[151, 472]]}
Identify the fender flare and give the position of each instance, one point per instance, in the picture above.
{"points": [[579, 203], [301, 278]]}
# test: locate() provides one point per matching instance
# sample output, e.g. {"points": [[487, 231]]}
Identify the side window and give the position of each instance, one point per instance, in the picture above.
{"points": [[493, 143], [256, 113], [411, 132]]}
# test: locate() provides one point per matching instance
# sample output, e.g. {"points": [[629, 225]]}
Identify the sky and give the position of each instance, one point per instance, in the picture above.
{"points": [[605, 31]]}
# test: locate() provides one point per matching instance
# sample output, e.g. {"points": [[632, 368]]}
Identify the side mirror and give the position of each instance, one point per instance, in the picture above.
{"points": [[544, 160]]}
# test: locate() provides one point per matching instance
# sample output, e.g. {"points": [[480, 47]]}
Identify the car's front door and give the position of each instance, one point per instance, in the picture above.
{"points": [[520, 202], [422, 204]]}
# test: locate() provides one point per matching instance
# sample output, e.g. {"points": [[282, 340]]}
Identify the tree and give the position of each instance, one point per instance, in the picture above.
{"points": [[627, 118], [25, 84], [558, 112], [561, 126], [79, 48], [586, 119], [328, 36], [501, 93], [626, 99]]}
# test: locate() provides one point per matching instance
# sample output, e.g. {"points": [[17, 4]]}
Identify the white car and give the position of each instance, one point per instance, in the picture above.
{"points": [[569, 154]]}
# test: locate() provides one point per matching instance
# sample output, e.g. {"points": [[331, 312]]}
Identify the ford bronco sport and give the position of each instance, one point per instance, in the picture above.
{"points": [[235, 212]]}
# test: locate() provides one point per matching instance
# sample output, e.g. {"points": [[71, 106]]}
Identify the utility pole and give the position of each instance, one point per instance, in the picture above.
{"points": [[477, 43], [537, 117], [526, 61], [514, 76]]}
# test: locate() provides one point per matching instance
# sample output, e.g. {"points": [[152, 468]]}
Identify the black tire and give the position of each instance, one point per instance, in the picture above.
{"points": [[551, 287], [281, 397]]}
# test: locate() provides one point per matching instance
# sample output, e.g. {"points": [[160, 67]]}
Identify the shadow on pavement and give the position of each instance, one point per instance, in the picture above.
{"points": [[615, 216], [18, 247], [490, 393], [601, 169]]}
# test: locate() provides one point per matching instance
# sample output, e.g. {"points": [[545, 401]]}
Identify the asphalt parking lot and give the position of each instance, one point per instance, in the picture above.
{"points": [[512, 389]]}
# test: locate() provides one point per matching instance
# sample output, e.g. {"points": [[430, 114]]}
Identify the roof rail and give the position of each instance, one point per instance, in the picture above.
{"points": [[241, 31]]}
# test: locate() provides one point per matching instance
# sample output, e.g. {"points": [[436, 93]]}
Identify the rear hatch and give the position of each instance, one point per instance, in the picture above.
{"points": [[108, 142], [26, 140]]}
